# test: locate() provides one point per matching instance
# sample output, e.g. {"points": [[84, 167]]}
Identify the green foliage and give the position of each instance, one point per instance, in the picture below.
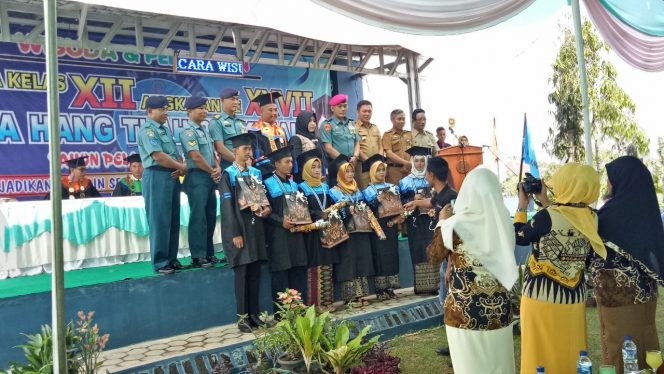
{"points": [[83, 345], [612, 121], [307, 333], [38, 352], [343, 354]]}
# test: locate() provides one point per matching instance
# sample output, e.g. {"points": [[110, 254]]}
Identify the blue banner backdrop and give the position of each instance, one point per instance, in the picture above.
{"points": [[102, 105]]}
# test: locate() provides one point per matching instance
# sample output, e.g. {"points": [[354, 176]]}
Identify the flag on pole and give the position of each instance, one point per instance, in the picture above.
{"points": [[528, 154]]}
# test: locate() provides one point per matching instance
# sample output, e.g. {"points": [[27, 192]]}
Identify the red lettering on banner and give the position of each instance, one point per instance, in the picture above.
{"points": [[86, 94]]}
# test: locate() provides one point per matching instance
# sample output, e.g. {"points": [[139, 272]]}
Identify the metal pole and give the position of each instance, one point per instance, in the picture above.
{"points": [[413, 82], [578, 33], [57, 276]]}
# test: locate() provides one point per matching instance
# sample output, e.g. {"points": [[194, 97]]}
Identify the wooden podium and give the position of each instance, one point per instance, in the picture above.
{"points": [[461, 161]]}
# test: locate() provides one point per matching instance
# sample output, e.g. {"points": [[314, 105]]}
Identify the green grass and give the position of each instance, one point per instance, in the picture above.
{"points": [[418, 356]]}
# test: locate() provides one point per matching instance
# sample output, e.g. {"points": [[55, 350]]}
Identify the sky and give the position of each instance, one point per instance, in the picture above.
{"points": [[503, 72]]}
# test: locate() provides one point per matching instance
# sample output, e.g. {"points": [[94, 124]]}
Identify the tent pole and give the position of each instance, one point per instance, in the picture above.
{"points": [[578, 33], [413, 82], [57, 276]]}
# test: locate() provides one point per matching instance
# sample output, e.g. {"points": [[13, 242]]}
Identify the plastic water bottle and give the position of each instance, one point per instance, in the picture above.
{"points": [[540, 370], [630, 363], [584, 365]]}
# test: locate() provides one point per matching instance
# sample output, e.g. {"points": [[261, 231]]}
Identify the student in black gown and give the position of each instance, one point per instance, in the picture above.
{"points": [[242, 232], [131, 184], [355, 257], [76, 185], [320, 283], [385, 252], [287, 254]]}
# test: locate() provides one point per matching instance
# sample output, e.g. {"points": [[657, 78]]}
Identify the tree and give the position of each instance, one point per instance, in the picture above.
{"points": [[611, 110]]}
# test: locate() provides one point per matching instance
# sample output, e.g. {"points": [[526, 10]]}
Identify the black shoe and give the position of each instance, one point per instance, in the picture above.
{"points": [[213, 259], [255, 321], [176, 265], [391, 294], [166, 270], [201, 263], [244, 327], [444, 351]]}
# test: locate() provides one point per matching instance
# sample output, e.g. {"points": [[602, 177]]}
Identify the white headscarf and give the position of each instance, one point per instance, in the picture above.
{"points": [[483, 223], [417, 173]]}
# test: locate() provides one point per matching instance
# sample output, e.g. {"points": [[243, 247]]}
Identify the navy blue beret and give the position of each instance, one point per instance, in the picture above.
{"points": [[194, 102], [156, 102], [228, 93]]}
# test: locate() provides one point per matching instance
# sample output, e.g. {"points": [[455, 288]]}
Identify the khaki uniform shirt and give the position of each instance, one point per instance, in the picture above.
{"points": [[426, 139], [397, 142], [370, 142]]}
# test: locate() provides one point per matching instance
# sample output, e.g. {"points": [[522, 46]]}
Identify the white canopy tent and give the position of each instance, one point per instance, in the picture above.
{"points": [[287, 32]]}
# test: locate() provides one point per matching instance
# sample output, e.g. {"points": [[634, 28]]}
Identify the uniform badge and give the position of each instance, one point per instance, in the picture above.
{"points": [[189, 133], [150, 133], [192, 142], [226, 123], [328, 127], [153, 141]]}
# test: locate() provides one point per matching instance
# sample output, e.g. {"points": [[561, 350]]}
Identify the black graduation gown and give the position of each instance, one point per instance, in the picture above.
{"points": [[121, 189], [316, 254], [420, 230], [90, 191], [286, 249], [385, 252], [355, 257], [236, 222]]}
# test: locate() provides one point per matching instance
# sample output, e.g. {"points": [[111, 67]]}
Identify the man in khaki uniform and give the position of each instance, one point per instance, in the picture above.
{"points": [[395, 143], [421, 137], [370, 142]]}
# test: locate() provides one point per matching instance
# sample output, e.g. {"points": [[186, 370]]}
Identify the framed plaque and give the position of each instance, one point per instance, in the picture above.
{"points": [[251, 192], [390, 202], [335, 233], [296, 208]]}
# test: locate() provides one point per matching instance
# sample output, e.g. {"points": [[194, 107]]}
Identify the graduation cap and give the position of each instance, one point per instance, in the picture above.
{"points": [[366, 165], [135, 157], [336, 164], [246, 138], [419, 151], [308, 155], [280, 153], [76, 162], [266, 98]]}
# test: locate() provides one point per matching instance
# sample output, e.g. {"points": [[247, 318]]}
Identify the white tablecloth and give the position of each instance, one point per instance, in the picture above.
{"points": [[113, 246]]}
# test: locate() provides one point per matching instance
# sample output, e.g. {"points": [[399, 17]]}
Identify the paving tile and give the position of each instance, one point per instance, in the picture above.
{"points": [[130, 363], [196, 338], [113, 355], [113, 362], [158, 346], [137, 351], [176, 343], [217, 334], [178, 348], [134, 357], [156, 352], [212, 340]]}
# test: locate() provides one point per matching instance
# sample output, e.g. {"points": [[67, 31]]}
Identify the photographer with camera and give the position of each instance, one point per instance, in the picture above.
{"points": [[553, 322]]}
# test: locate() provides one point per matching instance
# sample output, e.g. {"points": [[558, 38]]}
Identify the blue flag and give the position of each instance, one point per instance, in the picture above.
{"points": [[529, 151]]}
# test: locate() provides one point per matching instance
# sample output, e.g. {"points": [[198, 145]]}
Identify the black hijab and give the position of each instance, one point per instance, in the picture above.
{"points": [[302, 124], [631, 218]]}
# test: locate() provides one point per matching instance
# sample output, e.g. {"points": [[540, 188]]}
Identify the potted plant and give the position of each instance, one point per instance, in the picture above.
{"points": [[306, 332], [342, 353]]}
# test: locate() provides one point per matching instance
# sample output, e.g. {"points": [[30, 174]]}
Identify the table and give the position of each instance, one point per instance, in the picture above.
{"points": [[96, 232]]}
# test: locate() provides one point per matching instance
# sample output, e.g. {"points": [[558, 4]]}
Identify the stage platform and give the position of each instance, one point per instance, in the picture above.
{"points": [[132, 303]]}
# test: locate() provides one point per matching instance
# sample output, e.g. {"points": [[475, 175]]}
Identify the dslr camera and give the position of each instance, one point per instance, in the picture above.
{"points": [[531, 184]]}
